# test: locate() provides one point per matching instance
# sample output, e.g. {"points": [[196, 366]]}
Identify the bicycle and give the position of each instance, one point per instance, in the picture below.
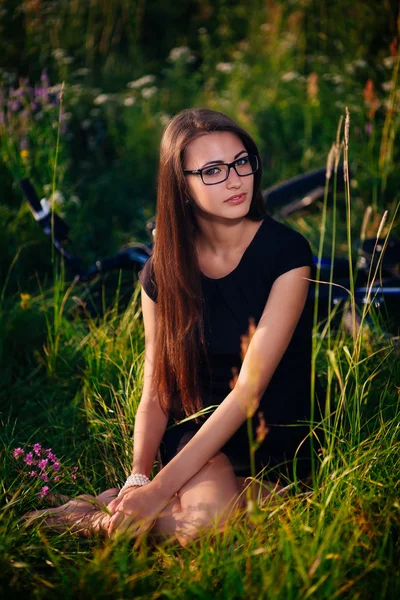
{"points": [[284, 199]]}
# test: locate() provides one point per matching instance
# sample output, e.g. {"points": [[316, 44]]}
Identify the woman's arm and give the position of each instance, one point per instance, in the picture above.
{"points": [[270, 341], [150, 420], [268, 344]]}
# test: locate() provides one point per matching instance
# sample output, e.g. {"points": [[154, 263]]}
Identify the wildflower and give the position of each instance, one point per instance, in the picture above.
{"points": [[56, 478], [387, 86], [18, 452], [149, 92], [360, 63], [262, 430], [24, 154], [368, 128], [164, 119], [388, 62], [75, 468], [29, 458], [394, 47], [73, 476], [33, 473], [58, 53], [371, 101], [142, 81], [312, 88], [44, 491], [66, 60], [37, 448], [42, 464], [44, 477], [286, 77], [25, 301], [181, 52], [56, 466], [224, 67], [130, 101], [101, 99]]}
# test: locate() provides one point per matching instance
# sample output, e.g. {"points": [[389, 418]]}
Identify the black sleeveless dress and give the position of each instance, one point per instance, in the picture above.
{"points": [[229, 303]]}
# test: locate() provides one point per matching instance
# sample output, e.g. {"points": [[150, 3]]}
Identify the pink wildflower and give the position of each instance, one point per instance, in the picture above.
{"points": [[42, 464], [44, 477], [56, 478], [37, 449], [44, 491], [29, 458], [75, 469], [52, 456], [17, 452], [73, 476], [56, 466], [32, 473]]}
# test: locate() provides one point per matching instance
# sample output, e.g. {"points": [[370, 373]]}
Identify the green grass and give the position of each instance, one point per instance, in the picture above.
{"points": [[73, 382], [337, 538]]}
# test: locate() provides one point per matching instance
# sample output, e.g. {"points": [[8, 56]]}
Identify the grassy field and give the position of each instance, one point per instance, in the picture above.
{"points": [[71, 383]]}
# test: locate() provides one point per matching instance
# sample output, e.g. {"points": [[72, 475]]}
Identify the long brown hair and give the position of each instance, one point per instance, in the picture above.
{"points": [[180, 340]]}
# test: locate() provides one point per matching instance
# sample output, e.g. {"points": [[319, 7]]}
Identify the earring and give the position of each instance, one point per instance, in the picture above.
{"points": [[187, 199]]}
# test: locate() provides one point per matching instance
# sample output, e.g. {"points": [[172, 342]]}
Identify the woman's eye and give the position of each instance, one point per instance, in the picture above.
{"points": [[212, 171], [242, 161]]}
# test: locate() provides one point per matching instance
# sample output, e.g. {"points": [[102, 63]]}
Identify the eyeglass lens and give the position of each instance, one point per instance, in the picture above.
{"points": [[245, 165]]}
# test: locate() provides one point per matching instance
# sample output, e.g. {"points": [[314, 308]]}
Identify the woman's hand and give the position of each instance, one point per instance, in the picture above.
{"points": [[136, 509]]}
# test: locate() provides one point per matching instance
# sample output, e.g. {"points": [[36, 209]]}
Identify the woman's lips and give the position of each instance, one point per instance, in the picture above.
{"points": [[238, 199]]}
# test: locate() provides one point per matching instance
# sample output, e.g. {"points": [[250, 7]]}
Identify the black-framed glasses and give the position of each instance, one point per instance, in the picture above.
{"points": [[244, 166]]}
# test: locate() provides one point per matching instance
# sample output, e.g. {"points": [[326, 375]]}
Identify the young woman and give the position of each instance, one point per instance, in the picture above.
{"points": [[220, 263]]}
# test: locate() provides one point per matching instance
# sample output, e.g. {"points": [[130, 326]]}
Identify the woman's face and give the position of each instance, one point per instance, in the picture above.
{"points": [[214, 148]]}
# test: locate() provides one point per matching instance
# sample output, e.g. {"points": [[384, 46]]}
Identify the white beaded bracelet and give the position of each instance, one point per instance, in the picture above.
{"points": [[135, 479]]}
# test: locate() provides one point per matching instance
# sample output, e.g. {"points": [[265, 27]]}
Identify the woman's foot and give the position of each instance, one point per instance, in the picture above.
{"points": [[85, 515]]}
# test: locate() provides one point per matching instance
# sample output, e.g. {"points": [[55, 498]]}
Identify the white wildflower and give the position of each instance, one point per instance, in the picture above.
{"points": [[76, 88], [164, 119], [86, 123], [100, 99], [387, 86], [66, 60], [149, 92], [224, 67], [289, 76], [75, 200], [57, 197], [129, 101], [55, 89], [337, 79], [388, 62], [145, 80], [360, 63], [177, 53], [58, 53]]}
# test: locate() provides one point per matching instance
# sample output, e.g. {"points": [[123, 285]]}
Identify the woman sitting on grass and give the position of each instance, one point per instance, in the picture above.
{"points": [[220, 264]]}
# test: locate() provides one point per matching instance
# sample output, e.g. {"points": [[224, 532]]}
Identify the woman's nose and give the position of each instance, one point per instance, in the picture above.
{"points": [[233, 179]]}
